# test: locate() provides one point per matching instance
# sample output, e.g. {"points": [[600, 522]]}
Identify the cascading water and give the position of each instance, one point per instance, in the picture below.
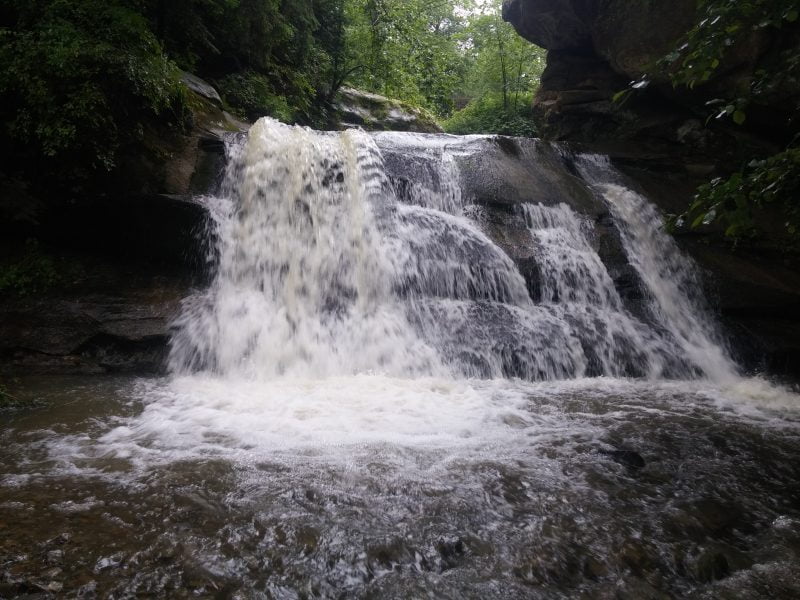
{"points": [[304, 285], [323, 271], [674, 288], [420, 369]]}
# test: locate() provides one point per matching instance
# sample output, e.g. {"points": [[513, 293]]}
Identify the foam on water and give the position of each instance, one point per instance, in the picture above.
{"points": [[412, 424], [341, 319]]}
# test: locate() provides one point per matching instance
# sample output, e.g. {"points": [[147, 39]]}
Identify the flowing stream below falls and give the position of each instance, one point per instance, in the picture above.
{"points": [[425, 366]]}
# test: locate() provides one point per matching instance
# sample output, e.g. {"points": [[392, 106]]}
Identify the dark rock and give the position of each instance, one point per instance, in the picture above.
{"points": [[451, 552], [552, 24], [87, 331], [635, 588], [162, 229], [202, 88], [501, 175], [594, 569], [714, 516], [627, 458], [596, 49], [717, 561]]}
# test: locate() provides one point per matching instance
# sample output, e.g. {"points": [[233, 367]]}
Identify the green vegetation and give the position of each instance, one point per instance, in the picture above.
{"points": [[83, 83], [736, 201], [79, 80], [434, 54], [723, 27], [489, 115], [33, 270]]}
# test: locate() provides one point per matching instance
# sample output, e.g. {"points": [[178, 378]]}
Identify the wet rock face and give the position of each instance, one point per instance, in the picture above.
{"points": [[596, 49], [135, 256], [121, 326], [552, 24]]}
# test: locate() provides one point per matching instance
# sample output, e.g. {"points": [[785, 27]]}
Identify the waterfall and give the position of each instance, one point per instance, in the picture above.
{"points": [[341, 253], [671, 280]]}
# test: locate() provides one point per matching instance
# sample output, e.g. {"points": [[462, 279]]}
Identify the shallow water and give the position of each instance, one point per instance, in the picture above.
{"points": [[377, 487]]}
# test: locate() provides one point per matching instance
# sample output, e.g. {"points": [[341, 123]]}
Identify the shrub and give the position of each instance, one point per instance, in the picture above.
{"points": [[78, 79], [32, 270], [251, 95], [487, 115], [734, 201]]}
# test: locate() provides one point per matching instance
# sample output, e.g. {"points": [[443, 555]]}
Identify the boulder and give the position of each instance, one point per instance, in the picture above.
{"points": [[379, 113], [201, 88]]}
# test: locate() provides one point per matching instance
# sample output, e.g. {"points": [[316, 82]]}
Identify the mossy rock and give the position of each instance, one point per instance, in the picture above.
{"points": [[379, 113]]}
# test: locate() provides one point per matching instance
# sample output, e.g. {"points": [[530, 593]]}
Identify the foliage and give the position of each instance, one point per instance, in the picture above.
{"points": [[33, 271], [488, 115], [503, 73], [722, 27], [500, 61], [78, 79], [84, 82], [735, 201], [404, 49], [252, 95]]}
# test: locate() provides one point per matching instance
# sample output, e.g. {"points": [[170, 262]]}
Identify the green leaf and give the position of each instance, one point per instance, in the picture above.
{"points": [[791, 16], [698, 220], [619, 96], [739, 117]]}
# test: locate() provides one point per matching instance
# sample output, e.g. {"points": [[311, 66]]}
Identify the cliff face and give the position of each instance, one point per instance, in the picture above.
{"points": [[659, 137], [597, 47]]}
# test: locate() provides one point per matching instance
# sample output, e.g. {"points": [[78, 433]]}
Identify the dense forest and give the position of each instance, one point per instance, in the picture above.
{"points": [[83, 82]]}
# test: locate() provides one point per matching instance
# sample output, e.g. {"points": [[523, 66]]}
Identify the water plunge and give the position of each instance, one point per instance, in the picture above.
{"points": [[412, 372], [330, 264]]}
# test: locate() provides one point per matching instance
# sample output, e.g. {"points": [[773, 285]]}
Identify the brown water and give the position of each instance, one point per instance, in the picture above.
{"points": [[201, 488]]}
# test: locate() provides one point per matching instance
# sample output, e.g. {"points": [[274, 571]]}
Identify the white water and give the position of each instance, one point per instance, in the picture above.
{"points": [[672, 282], [348, 413], [342, 318], [323, 272], [304, 286]]}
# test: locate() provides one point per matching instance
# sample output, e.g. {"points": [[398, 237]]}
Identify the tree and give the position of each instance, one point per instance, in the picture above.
{"points": [[405, 49]]}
